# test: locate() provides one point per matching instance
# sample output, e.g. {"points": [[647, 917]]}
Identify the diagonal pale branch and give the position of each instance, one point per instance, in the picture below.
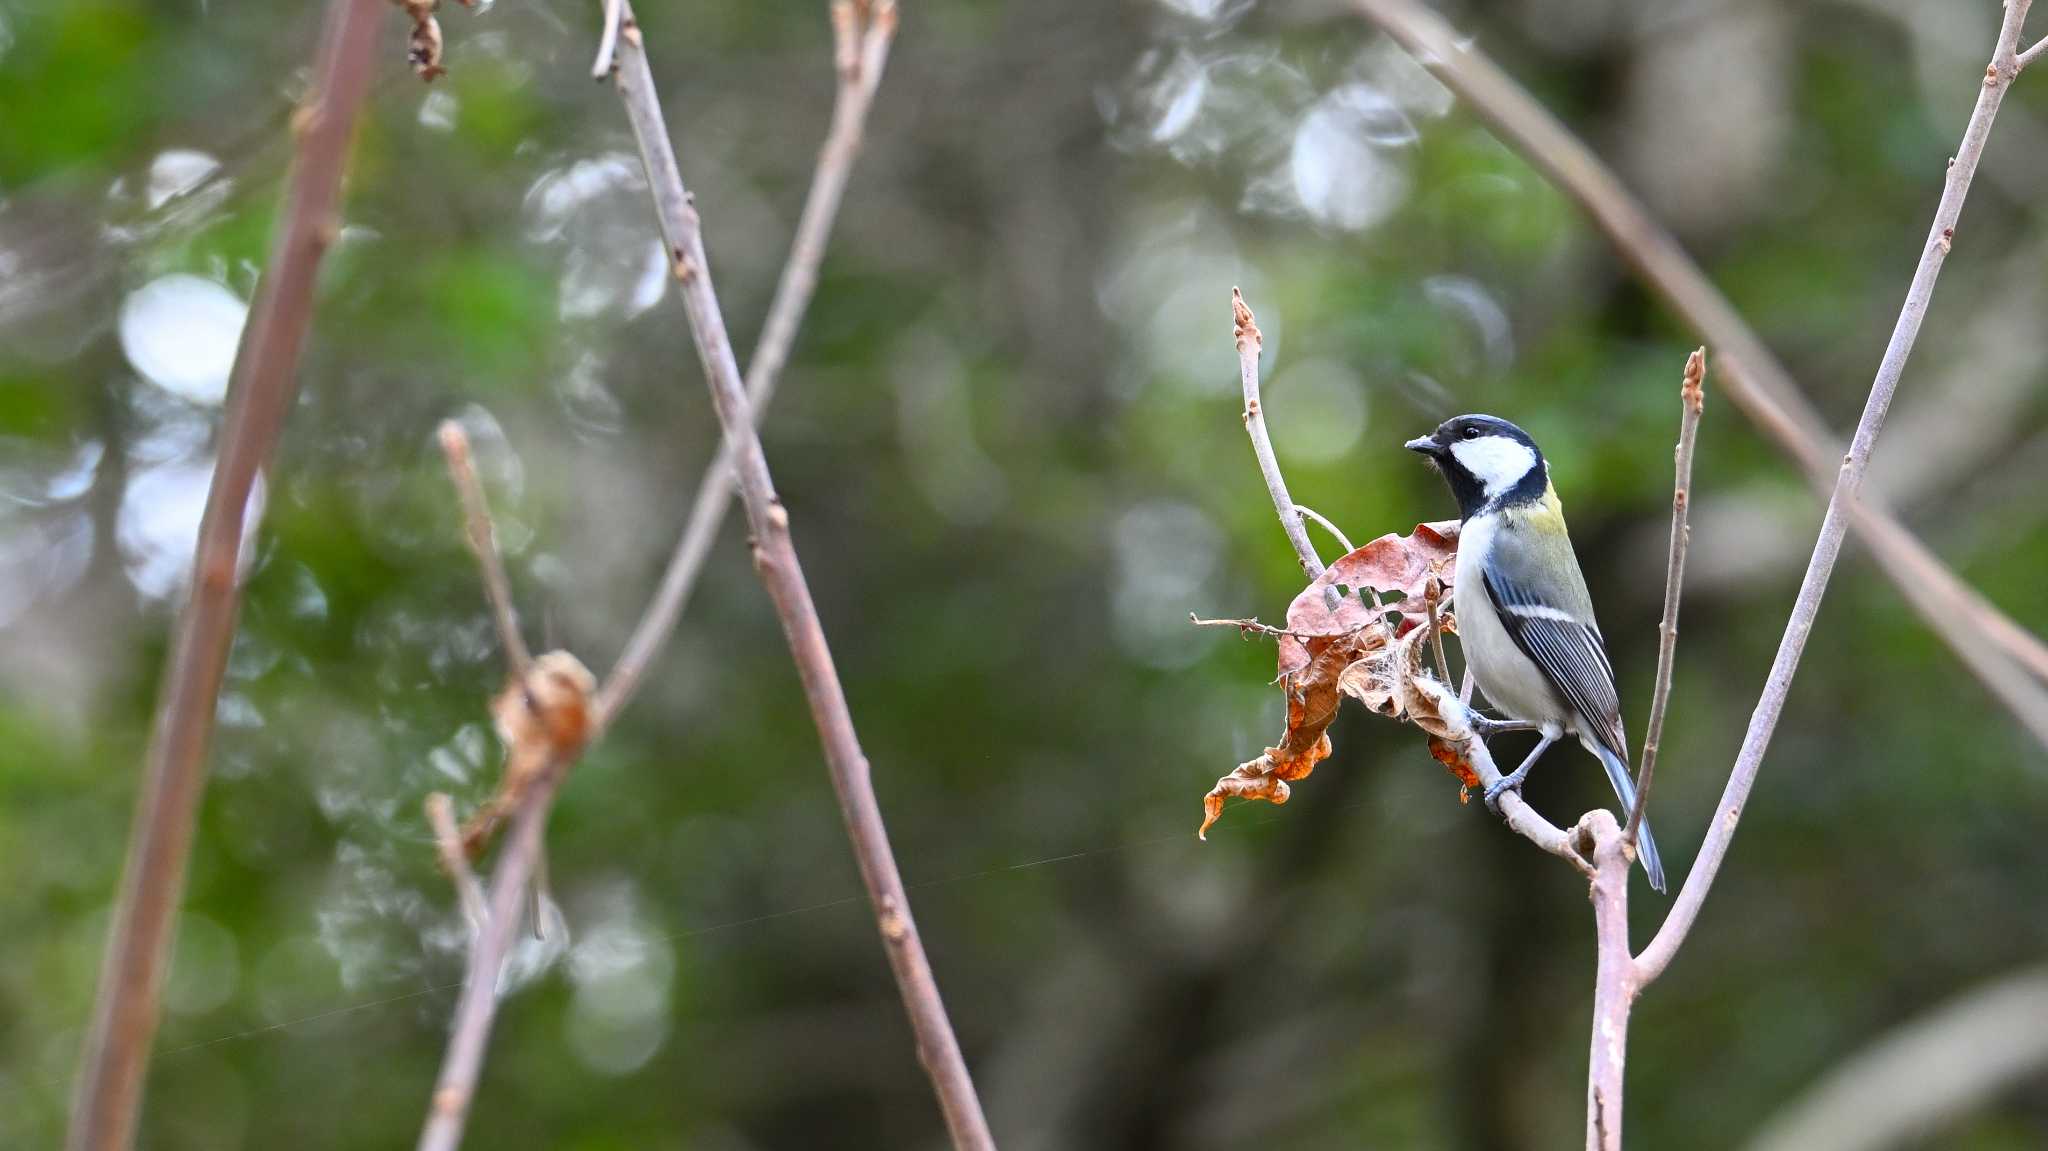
{"points": [[1691, 404], [1764, 721], [607, 41], [1994, 647], [1320, 520], [775, 559], [264, 379], [861, 55], [545, 718]]}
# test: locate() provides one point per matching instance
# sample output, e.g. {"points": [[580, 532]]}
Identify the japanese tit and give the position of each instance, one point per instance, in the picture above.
{"points": [[1524, 619]]}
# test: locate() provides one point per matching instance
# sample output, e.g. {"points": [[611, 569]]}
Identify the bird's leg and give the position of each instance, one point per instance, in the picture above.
{"points": [[1512, 781], [1488, 727]]}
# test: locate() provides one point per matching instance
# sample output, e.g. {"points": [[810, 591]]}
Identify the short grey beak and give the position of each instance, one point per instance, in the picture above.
{"points": [[1425, 445]]}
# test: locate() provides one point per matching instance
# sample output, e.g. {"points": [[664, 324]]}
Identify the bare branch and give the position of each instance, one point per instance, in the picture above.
{"points": [[1252, 626], [455, 861], [1691, 404], [775, 559], [1986, 640], [545, 716], [263, 382], [867, 49], [1433, 596], [1249, 344], [1764, 721], [607, 41], [2032, 54], [483, 542], [1614, 982], [1522, 819], [474, 1012], [1318, 518]]}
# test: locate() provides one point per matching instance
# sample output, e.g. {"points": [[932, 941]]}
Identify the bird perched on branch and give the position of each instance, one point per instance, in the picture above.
{"points": [[1524, 617]]}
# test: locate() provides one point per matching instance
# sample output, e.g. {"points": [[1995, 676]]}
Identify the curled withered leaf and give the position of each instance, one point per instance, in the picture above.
{"points": [[1328, 652], [1253, 779], [1312, 699], [424, 49], [544, 718], [1391, 681], [1454, 759], [1388, 565]]}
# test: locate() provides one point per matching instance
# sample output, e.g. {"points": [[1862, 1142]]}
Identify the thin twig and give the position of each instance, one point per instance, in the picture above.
{"points": [[1764, 721], [2032, 54], [1521, 818], [483, 541], [1320, 520], [775, 559], [1433, 598], [263, 382], [1691, 404], [1252, 626], [868, 48], [1249, 344], [1985, 639], [545, 717], [448, 843], [471, 1031], [607, 41]]}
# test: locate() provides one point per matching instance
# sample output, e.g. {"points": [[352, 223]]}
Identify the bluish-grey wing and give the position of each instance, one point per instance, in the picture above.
{"points": [[1570, 653]]}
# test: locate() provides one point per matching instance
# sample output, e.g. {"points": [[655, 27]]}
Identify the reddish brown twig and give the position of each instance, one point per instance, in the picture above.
{"points": [[1691, 405], [260, 393], [776, 561]]}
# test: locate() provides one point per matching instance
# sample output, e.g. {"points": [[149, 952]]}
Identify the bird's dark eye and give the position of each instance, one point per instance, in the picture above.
{"points": [[1471, 433]]}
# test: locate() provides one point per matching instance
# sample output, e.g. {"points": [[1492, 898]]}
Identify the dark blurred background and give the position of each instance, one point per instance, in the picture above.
{"points": [[1010, 445]]}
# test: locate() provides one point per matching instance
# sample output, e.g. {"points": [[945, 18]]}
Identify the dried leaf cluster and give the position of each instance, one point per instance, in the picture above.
{"points": [[423, 47], [544, 719], [1357, 645]]}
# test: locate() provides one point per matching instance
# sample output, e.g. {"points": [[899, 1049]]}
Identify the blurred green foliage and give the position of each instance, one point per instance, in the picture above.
{"points": [[1010, 445]]}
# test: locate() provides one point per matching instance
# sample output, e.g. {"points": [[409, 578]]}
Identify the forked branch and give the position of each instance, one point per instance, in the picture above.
{"points": [[862, 34], [545, 719], [1827, 548], [775, 559], [2010, 661]]}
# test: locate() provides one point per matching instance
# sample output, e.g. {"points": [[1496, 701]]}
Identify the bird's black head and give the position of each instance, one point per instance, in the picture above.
{"points": [[1488, 462]]}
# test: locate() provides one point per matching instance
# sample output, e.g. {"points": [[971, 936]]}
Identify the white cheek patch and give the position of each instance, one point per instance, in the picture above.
{"points": [[1497, 462]]}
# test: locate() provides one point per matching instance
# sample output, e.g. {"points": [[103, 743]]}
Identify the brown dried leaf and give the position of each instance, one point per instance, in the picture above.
{"points": [[1326, 655], [1388, 565], [544, 720], [1312, 699]]}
